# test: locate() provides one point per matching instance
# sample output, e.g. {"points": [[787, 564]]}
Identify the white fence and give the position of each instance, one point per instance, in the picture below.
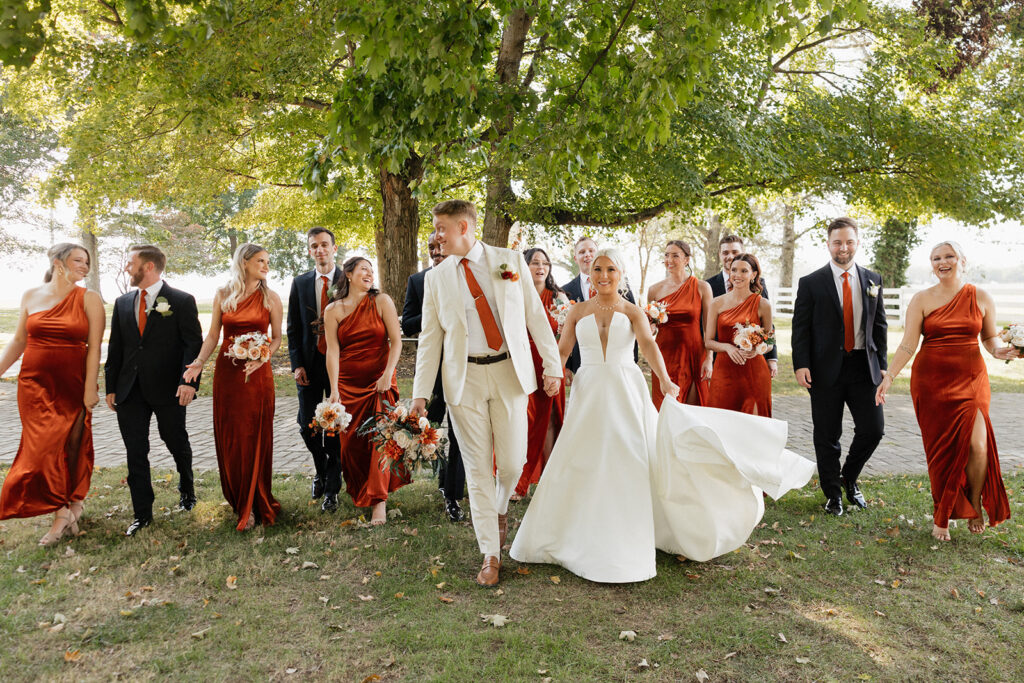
{"points": [[1009, 300]]}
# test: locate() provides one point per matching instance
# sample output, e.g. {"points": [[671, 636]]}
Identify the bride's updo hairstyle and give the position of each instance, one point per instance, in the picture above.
{"points": [[957, 249], [615, 257], [62, 252]]}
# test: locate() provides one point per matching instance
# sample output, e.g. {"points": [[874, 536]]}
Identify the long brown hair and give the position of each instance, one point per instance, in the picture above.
{"points": [[755, 281], [549, 281], [347, 268]]}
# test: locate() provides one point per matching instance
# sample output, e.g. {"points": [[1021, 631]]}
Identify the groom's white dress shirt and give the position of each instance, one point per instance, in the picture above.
{"points": [[151, 294], [476, 262], [858, 300]]}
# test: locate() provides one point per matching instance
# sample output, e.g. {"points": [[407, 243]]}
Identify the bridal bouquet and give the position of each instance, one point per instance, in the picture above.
{"points": [[753, 338], [403, 439], [1014, 336], [559, 312], [249, 346], [657, 312], [330, 419]]}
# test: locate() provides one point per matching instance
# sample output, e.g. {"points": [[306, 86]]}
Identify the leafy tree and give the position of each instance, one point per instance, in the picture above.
{"points": [[892, 242]]}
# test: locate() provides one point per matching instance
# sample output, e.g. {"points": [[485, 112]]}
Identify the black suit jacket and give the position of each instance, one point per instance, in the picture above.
{"points": [[574, 290], [412, 310], [717, 282], [302, 312], [818, 326], [157, 358]]}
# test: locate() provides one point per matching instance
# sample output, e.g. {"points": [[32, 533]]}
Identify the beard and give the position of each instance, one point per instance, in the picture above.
{"points": [[136, 277]]}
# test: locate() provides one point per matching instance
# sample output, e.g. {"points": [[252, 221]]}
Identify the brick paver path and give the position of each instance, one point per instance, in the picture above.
{"points": [[900, 451]]}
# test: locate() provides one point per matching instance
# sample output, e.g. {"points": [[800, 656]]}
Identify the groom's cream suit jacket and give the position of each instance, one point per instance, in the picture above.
{"points": [[444, 325]]}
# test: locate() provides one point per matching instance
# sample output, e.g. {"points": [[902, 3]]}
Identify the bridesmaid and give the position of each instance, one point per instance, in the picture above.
{"points": [[950, 390], [243, 395], [364, 343], [740, 380], [60, 330], [687, 299], [543, 412]]}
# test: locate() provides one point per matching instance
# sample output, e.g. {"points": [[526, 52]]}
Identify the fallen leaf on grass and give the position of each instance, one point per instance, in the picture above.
{"points": [[366, 598], [400, 595], [627, 635], [955, 593], [371, 678], [770, 590], [729, 655], [309, 565], [499, 592], [70, 552], [232, 582], [440, 585], [880, 582], [199, 635], [879, 614], [445, 599], [796, 556], [993, 601], [666, 636], [410, 532], [692, 576], [393, 513], [702, 675], [126, 613], [290, 670], [495, 620], [72, 655], [523, 570], [57, 628], [803, 660], [782, 638], [292, 551], [324, 599], [895, 583], [555, 579]]}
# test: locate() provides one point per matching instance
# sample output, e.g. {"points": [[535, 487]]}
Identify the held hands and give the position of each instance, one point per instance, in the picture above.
{"points": [[551, 385], [185, 394], [803, 377], [194, 368]]}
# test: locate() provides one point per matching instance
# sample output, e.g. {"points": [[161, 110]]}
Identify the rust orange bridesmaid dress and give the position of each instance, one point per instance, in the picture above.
{"points": [[682, 343], [949, 387], [745, 388], [53, 466], [362, 358], [243, 420], [542, 411]]}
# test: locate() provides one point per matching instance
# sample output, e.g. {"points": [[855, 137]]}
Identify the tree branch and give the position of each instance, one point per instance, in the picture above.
{"points": [[306, 102], [604, 52], [239, 174], [116, 21]]}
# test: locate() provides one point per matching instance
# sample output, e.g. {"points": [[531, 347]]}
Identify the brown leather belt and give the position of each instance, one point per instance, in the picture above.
{"points": [[487, 360]]}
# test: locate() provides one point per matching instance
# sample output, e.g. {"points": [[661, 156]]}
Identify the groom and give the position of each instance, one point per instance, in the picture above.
{"points": [[839, 356], [154, 334], [478, 306]]}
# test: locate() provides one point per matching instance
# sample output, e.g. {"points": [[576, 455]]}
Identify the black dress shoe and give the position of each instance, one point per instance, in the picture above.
{"points": [[330, 503], [187, 501], [454, 511], [854, 495], [138, 523], [318, 487], [834, 506]]}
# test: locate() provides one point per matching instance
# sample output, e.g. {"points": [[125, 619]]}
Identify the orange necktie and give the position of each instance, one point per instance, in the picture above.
{"points": [[321, 342], [483, 309], [142, 311], [849, 336]]}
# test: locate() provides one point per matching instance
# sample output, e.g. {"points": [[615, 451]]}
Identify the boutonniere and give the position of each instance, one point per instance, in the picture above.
{"points": [[163, 307], [873, 290], [507, 274]]}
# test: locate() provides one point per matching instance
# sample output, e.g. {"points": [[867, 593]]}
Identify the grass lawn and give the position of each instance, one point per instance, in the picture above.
{"points": [[869, 596]]}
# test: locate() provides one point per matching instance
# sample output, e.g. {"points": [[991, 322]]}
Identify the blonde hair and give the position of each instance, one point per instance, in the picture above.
{"points": [[957, 249], [615, 256], [62, 252], [235, 288]]}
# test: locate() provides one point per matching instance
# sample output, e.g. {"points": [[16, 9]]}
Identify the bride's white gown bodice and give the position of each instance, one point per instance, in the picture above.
{"points": [[622, 480]]}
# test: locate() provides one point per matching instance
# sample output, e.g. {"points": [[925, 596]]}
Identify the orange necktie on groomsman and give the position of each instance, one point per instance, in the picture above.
{"points": [[321, 342], [142, 311], [483, 309], [849, 336]]}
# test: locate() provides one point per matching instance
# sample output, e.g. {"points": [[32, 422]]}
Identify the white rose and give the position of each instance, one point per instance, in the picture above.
{"points": [[424, 423], [402, 439], [254, 353], [238, 351], [401, 412], [429, 449], [762, 348], [162, 307], [744, 343]]}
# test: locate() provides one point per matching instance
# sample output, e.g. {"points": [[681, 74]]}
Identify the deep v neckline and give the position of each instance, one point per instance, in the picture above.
{"points": [[604, 342]]}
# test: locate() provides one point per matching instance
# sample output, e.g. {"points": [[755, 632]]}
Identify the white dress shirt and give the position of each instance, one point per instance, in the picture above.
{"points": [[858, 302], [151, 293], [477, 262], [318, 286], [727, 281], [585, 285]]}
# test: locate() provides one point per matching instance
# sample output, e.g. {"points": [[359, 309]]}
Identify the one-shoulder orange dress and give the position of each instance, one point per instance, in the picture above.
{"points": [[362, 359], [243, 420], [949, 387], [745, 388], [542, 411], [682, 343], [53, 466]]}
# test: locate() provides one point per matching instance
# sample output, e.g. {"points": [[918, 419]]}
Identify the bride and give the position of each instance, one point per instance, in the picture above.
{"points": [[622, 480]]}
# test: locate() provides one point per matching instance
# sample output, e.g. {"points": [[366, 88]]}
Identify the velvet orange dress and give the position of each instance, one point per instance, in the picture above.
{"points": [[541, 411], [243, 419], [949, 387], [682, 343], [53, 466], [362, 359], [745, 388]]}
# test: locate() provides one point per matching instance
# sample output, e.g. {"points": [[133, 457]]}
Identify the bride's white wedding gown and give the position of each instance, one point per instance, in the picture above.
{"points": [[623, 480]]}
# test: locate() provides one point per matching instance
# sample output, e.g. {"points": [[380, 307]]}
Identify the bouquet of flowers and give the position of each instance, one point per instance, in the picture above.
{"points": [[753, 338], [249, 346], [403, 440], [1014, 336], [330, 419], [559, 312], [657, 312]]}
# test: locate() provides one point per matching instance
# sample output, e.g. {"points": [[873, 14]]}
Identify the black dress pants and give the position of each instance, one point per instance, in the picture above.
{"points": [[326, 450]]}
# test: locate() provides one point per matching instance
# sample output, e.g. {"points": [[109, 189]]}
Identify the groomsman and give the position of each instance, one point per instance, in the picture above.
{"points": [[579, 289], [451, 478], [307, 350], [839, 356], [729, 247], [154, 334], [480, 309]]}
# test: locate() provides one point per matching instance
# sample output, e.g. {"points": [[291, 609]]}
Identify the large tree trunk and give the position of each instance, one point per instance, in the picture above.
{"points": [[396, 235], [710, 233], [789, 238], [500, 197], [88, 226]]}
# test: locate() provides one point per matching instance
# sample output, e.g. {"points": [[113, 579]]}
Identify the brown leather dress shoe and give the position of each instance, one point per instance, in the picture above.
{"points": [[488, 575], [502, 529]]}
